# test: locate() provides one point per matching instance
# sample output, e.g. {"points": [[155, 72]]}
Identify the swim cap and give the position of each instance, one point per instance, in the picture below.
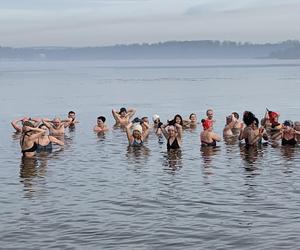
{"points": [[137, 127], [155, 117], [272, 116], [207, 124]]}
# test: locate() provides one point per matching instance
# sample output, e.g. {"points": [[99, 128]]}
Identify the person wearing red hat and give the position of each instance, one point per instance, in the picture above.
{"points": [[207, 136]]}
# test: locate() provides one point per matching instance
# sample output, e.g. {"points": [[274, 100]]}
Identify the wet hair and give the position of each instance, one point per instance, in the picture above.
{"points": [[42, 125], [249, 118], [236, 115], [143, 118], [71, 112], [28, 124], [102, 118], [191, 115], [122, 110], [181, 121]]}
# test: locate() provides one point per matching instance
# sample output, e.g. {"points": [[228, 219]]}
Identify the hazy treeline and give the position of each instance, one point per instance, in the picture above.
{"points": [[172, 49]]}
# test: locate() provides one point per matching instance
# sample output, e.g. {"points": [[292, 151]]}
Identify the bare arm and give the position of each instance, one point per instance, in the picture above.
{"points": [[215, 137], [255, 138], [47, 123], [115, 115], [36, 135], [163, 129], [56, 141], [128, 132], [130, 113], [15, 125], [179, 131], [145, 132]]}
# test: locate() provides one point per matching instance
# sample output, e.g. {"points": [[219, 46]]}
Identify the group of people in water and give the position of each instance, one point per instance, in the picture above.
{"points": [[38, 134]]}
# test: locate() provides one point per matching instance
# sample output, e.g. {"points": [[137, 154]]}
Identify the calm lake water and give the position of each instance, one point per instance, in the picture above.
{"points": [[98, 194]]}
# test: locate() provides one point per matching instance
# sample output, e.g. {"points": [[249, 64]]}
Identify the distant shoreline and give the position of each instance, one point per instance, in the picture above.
{"points": [[204, 49]]}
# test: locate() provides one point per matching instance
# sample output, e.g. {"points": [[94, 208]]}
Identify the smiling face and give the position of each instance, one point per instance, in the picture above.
{"points": [[178, 120], [136, 134], [171, 131]]}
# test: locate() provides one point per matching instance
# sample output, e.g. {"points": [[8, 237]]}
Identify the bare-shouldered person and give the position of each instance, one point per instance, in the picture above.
{"points": [[123, 117], [56, 126], [101, 126]]}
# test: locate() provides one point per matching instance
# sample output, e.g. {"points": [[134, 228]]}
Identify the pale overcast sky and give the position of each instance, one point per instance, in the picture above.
{"points": [[108, 22]]}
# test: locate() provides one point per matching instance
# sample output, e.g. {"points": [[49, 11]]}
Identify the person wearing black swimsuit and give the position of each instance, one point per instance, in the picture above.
{"points": [[288, 134], [207, 137], [28, 141], [173, 134], [45, 141]]}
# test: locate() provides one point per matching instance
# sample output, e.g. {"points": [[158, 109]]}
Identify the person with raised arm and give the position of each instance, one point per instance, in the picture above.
{"points": [[18, 127], [45, 141], [135, 133], [56, 126], [28, 140], [123, 117], [173, 133], [208, 138], [252, 134]]}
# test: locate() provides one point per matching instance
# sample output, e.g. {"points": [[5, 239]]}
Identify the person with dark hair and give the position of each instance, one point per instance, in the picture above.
{"points": [[123, 116], [72, 119], [157, 125], [289, 134], [252, 134], [208, 138], [176, 120], [101, 126], [28, 140], [191, 122], [44, 142]]}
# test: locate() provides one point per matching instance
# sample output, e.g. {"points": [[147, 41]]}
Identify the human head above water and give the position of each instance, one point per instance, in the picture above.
{"points": [[101, 119], [273, 117], [178, 119], [137, 131], [249, 118], [210, 114], [71, 114], [123, 111], [193, 117]]}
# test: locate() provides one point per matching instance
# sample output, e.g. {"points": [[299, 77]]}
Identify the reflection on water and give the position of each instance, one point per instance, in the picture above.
{"points": [[137, 155], [32, 170], [95, 193], [208, 154], [250, 156], [173, 159]]}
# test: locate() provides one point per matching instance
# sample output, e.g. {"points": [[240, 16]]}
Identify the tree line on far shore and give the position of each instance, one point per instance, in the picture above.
{"points": [[289, 49]]}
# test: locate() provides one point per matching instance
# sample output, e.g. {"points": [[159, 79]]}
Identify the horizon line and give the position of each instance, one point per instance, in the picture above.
{"points": [[150, 43]]}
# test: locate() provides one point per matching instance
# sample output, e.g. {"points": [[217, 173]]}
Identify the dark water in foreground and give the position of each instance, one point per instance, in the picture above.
{"points": [[98, 194]]}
